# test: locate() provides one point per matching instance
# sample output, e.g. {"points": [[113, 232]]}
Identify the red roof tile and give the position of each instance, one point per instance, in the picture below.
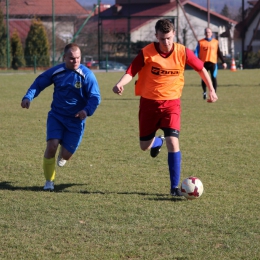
{"points": [[22, 27], [213, 13]]}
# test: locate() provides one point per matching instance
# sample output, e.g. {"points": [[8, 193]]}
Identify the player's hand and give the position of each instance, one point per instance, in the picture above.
{"points": [[81, 114], [212, 97], [118, 90], [25, 103], [224, 65]]}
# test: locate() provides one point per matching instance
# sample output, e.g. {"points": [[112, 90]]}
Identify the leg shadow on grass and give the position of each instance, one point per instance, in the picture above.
{"points": [[148, 196], [5, 185], [154, 196]]}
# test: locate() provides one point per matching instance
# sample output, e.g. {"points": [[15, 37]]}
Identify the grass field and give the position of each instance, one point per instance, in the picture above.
{"points": [[112, 199]]}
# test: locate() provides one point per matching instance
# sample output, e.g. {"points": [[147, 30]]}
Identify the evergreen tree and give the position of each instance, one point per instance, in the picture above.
{"points": [[17, 51], [225, 11], [3, 41], [238, 16], [37, 45]]}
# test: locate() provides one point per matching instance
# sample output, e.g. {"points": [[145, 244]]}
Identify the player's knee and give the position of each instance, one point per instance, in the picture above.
{"points": [[144, 148], [145, 145], [66, 156], [52, 146]]}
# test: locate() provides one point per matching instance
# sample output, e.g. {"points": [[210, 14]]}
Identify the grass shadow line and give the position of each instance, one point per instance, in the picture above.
{"points": [[5, 185]]}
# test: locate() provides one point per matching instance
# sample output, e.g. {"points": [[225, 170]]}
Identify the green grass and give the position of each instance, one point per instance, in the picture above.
{"points": [[112, 200]]}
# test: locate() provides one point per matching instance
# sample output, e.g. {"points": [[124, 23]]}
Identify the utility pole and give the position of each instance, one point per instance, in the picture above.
{"points": [[208, 3], [243, 32], [99, 33], [53, 33], [178, 27], [188, 21], [7, 35]]}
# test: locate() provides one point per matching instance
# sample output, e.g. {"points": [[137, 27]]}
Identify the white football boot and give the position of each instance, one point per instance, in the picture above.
{"points": [[60, 161]]}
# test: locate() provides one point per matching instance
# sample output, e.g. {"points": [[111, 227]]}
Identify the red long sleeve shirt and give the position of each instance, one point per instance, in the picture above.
{"points": [[138, 62]]}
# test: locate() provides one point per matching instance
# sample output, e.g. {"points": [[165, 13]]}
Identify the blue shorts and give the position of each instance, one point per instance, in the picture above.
{"points": [[68, 130]]}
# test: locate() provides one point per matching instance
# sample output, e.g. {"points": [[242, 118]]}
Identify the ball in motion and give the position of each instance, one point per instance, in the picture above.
{"points": [[192, 188]]}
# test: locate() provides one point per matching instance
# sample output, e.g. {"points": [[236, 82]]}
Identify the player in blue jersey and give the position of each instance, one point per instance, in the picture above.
{"points": [[76, 97]]}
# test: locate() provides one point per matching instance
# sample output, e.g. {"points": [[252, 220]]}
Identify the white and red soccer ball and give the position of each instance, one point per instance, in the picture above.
{"points": [[192, 187]]}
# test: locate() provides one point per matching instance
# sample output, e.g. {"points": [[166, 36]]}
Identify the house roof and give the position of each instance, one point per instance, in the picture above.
{"points": [[21, 26], [31, 8], [212, 13], [22, 11], [145, 12], [243, 25], [252, 2]]}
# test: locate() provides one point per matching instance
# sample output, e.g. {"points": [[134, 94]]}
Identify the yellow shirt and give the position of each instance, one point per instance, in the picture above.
{"points": [[208, 50]]}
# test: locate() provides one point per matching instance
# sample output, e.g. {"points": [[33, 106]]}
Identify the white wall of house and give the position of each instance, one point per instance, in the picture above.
{"points": [[198, 22], [144, 33], [64, 30]]}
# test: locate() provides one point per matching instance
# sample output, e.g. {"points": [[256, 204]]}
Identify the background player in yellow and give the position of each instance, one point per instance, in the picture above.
{"points": [[208, 51]]}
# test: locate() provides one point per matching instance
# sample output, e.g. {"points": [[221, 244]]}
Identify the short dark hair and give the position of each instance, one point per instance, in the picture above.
{"points": [[71, 47], [164, 26]]}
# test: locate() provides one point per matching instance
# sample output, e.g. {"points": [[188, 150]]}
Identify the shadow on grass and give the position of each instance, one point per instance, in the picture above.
{"points": [[58, 188], [158, 196], [175, 199], [61, 188]]}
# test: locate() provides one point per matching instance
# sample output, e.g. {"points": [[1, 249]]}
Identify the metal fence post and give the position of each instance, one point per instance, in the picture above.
{"points": [[34, 63]]}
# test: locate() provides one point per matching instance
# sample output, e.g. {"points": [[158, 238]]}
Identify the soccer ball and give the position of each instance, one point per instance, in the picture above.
{"points": [[192, 188]]}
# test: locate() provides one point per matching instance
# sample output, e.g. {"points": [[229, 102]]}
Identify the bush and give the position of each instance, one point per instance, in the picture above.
{"points": [[17, 51], [37, 45]]}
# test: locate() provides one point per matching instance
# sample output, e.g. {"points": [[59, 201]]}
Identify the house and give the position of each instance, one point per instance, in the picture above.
{"points": [[248, 31], [119, 27], [134, 20], [64, 12]]}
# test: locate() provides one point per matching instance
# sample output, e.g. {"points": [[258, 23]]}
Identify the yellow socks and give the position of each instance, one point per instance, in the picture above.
{"points": [[49, 168]]}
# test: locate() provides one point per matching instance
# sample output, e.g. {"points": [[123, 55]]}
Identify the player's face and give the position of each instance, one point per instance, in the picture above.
{"points": [[72, 59], [208, 33], [165, 40]]}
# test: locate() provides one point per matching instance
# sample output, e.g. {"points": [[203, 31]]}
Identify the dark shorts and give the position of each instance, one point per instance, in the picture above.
{"points": [[68, 130], [159, 114]]}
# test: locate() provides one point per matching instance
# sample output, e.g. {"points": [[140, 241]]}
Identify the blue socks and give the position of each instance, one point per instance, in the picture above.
{"points": [[157, 142], [174, 162]]}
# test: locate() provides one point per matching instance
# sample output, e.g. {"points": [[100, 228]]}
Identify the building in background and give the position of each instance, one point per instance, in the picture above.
{"points": [[129, 25], [248, 34], [21, 12]]}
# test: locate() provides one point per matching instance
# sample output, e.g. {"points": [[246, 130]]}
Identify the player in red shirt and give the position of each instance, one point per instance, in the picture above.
{"points": [[160, 67]]}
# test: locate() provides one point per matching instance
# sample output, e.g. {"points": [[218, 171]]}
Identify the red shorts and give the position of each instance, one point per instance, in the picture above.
{"points": [[158, 114]]}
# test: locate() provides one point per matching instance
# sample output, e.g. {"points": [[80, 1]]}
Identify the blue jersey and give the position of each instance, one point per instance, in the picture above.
{"points": [[73, 90]]}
